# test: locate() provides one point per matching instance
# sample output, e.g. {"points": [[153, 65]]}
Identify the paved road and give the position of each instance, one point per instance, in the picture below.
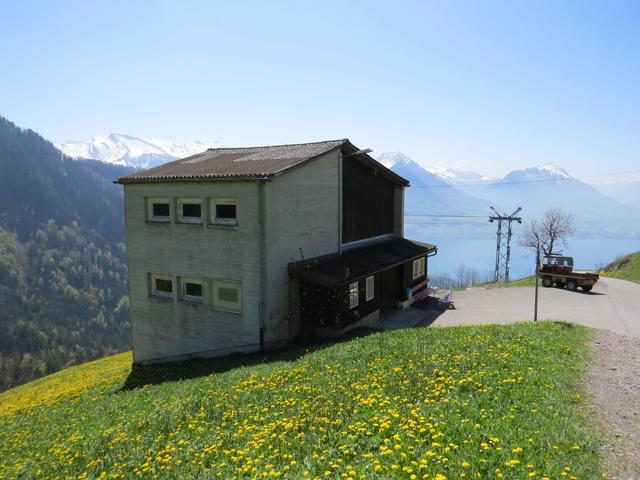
{"points": [[612, 305]]}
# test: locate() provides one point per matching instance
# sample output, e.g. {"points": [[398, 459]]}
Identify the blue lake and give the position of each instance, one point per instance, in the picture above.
{"points": [[478, 252]]}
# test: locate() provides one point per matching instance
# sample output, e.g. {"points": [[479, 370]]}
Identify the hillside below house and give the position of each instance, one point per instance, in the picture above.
{"points": [[62, 259], [246, 238], [340, 408], [626, 267]]}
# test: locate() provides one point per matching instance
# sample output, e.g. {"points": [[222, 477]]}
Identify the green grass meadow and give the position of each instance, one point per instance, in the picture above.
{"points": [[626, 267], [427, 403], [520, 282]]}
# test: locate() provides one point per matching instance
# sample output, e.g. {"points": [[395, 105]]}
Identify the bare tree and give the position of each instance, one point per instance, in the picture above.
{"points": [[552, 231], [460, 275]]}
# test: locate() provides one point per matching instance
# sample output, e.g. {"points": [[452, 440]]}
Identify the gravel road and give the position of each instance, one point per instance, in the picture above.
{"points": [[614, 388], [612, 305]]}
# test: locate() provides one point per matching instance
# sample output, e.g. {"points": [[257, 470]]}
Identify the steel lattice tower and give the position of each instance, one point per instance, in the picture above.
{"points": [[503, 242]]}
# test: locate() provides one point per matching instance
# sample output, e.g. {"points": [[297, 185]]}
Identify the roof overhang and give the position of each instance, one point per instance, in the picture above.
{"points": [[337, 269], [350, 149]]}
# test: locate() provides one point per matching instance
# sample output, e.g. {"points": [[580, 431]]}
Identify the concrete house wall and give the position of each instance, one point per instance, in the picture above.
{"points": [[302, 219], [169, 328], [294, 216]]}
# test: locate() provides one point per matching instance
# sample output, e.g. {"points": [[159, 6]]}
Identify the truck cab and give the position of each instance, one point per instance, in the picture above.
{"points": [[557, 264]]}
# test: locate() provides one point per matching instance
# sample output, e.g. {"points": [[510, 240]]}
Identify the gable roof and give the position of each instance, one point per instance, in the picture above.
{"points": [[250, 163]]}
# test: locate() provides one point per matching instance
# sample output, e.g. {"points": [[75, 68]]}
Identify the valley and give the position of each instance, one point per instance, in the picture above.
{"points": [[63, 264]]}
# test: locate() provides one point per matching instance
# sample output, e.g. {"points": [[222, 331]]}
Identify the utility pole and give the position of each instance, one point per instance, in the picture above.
{"points": [[503, 242], [535, 307]]}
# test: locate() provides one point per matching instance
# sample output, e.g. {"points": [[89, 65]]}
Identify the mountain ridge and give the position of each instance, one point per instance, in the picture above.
{"points": [[128, 150], [536, 189], [63, 270]]}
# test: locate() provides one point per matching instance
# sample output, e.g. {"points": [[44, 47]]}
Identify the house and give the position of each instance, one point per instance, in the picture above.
{"points": [[242, 249]]}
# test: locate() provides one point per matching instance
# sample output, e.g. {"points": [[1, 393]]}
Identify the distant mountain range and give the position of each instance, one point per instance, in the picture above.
{"points": [[440, 191], [451, 175], [435, 190], [130, 151], [625, 190], [431, 193]]}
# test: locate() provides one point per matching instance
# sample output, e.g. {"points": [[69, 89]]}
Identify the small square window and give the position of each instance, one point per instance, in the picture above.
{"points": [[224, 211], [162, 286], [192, 290], [353, 295], [159, 210], [227, 296], [190, 210], [370, 291]]}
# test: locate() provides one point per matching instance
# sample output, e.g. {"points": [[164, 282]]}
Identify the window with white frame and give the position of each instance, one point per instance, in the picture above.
{"points": [[227, 295], [224, 211], [353, 295], [158, 210], [418, 268], [161, 285], [190, 210], [370, 288], [192, 290]]}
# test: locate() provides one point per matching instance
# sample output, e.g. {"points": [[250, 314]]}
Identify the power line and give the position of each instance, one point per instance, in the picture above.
{"points": [[564, 179], [413, 222], [443, 215]]}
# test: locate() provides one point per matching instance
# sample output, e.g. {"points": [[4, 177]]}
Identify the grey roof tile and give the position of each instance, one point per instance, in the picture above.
{"points": [[250, 163], [242, 163]]}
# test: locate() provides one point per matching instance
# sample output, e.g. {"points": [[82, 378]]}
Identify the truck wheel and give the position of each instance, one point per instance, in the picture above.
{"points": [[547, 282], [587, 288], [572, 286]]}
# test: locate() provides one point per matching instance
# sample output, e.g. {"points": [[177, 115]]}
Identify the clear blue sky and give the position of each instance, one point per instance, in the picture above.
{"points": [[484, 85]]}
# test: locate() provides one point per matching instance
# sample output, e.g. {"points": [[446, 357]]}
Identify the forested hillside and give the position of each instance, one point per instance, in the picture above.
{"points": [[62, 259]]}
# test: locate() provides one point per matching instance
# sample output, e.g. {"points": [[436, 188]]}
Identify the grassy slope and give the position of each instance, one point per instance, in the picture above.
{"points": [[626, 268], [474, 402], [521, 282]]}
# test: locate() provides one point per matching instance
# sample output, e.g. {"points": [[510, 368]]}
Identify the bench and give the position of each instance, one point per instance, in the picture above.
{"points": [[446, 301]]}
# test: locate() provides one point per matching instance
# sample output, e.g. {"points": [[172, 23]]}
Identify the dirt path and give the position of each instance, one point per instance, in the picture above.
{"points": [[614, 385], [613, 305]]}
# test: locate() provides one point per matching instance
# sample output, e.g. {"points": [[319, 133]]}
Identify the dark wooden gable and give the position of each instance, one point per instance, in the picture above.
{"points": [[367, 201]]}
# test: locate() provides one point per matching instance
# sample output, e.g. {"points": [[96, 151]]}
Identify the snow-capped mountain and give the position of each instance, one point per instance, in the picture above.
{"points": [[127, 150], [437, 191], [537, 189], [389, 159], [451, 175], [429, 193], [459, 176], [549, 172]]}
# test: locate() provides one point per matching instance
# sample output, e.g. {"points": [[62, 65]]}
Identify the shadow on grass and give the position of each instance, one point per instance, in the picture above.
{"points": [[142, 375], [199, 367], [564, 324], [432, 310]]}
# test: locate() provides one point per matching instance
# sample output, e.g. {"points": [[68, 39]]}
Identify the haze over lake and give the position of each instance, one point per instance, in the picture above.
{"points": [[478, 252]]}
